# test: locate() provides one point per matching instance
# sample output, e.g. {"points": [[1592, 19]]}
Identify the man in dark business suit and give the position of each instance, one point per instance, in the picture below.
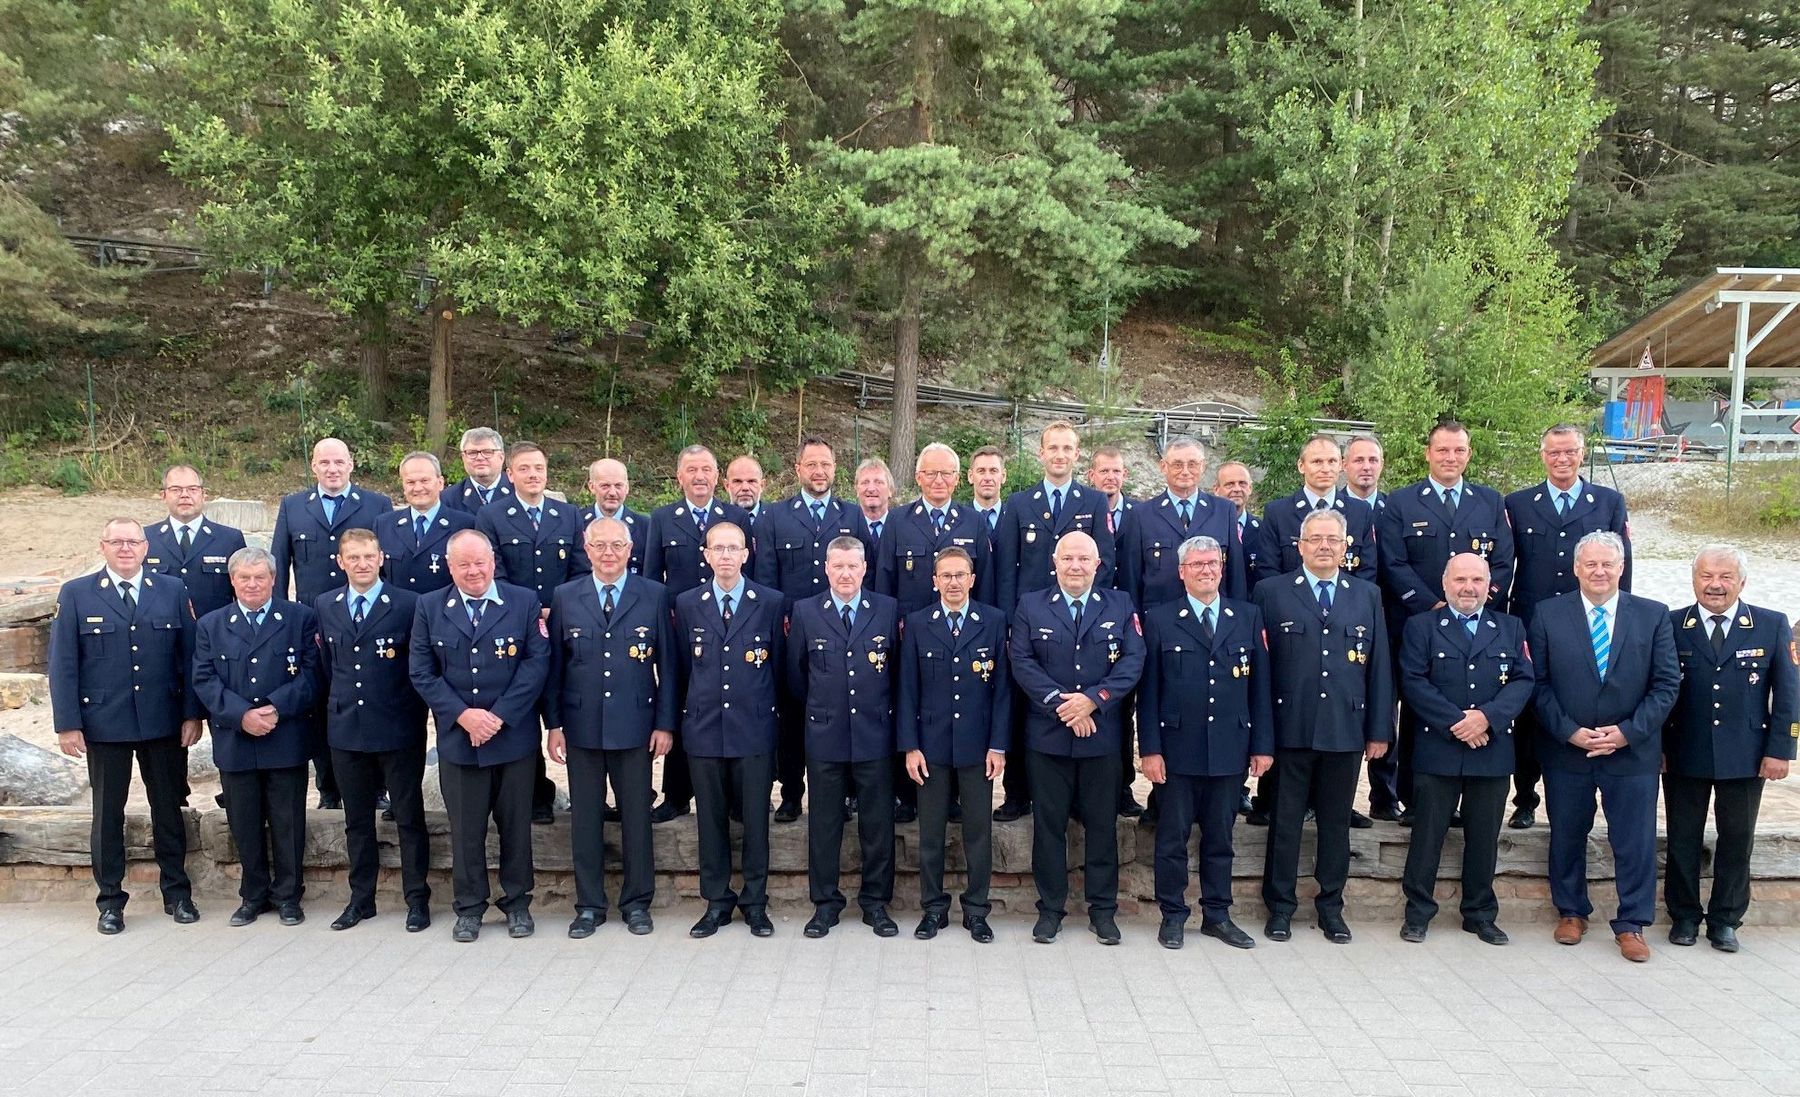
{"points": [[1334, 701], [121, 685], [1077, 651], [1548, 520], [1608, 675], [610, 705], [1465, 676], [1735, 725], [413, 538], [256, 664], [1200, 733], [480, 659], [731, 633], [953, 716], [843, 650], [375, 723]]}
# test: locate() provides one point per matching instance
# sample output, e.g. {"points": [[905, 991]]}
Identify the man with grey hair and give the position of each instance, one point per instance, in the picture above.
{"points": [[610, 483], [484, 462], [413, 539], [1735, 725], [1548, 519], [1608, 675], [256, 665], [843, 653]]}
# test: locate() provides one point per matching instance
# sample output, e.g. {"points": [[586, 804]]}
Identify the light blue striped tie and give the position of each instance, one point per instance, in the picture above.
{"points": [[1602, 638]]}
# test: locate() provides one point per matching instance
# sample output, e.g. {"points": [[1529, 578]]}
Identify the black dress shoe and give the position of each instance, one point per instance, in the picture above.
{"points": [[1406, 819], [330, 803], [519, 924], [955, 813], [542, 816], [1047, 927], [788, 811], [1456, 820], [1148, 818], [247, 912], [1279, 927], [1723, 938], [666, 811], [1009, 810], [758, 921], [1413, 933], [710, 922], [1489, 933], [385, 805], [878, 919], [1385, 814], [929, 925], [611, 815], [905, 813], [1257, 818], [468, 927], [585, 923], [351, 918], [1334, 929], [1359, 821], [978, 928], [387, 815], [418, 918], [637, 920], [1684, 933], [1245, 804], [1104, 927], [1228, 932], [111, 922], [182, 910], [820, 923], [849, 808], [1310, 816], [291, 914], [1523, 819], [1172, 933], [1129, 808]]}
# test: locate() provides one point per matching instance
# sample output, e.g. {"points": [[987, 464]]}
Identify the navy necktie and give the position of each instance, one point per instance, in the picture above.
{"points": [[1325, 595], [848, 621], [1206, 625], [420, 525], [187, 540], [256, 619], [1563, 502], [607, 605], [477, 607], [1056, 505], [1076, 612], [130, 600], [818, 511], [937, 520], [331, 508], [725, 609], [955, 622], [359, 608], [700, 521], [1468, 623], [1718, 636], [537, 516], [1187, 514], [875, 530]]}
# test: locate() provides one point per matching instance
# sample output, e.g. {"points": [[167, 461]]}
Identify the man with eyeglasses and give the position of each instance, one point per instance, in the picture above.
{"points": [[1548, 520], [484, 463], [610, 483], [1334, 706], [121, 686]]}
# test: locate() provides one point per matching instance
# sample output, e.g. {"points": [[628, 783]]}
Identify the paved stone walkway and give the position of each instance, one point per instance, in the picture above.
{"points": [[208, 1009]]}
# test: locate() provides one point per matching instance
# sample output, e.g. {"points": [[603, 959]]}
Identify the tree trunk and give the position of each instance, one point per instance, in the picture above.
{"points": [[1352, 215], [437, 414], [903, 433], [373, 359]]}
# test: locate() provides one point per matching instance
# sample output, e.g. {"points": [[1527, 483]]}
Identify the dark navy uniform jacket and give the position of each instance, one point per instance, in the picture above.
{"points": [[499, 666], [1544, 541], [638, 524], [955, 692], [1025, 543], [1205, 707], [672, 546], [119, 678], [907, 556], [466, 497], [1416, 536], [1150, 540], [1333, 677], [730, 679], [612, 682], [1248, 539], [236, 670], [305, 542], [202, 568], [543, 558], [419, 566], [790, 546], [1104, 661], [1643, 677], [1740, 707], [366, 671], [1444, 672], [1279, 551], [844, 682]]}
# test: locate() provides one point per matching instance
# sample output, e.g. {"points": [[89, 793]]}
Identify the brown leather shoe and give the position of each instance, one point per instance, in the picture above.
{"points": [[1570, 931], [1633, 948]]}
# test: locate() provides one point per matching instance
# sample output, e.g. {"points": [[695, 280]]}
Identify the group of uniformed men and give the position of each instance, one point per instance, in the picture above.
{"points": [[897, 661]]}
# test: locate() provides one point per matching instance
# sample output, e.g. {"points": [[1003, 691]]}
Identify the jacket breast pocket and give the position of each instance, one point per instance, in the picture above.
{"points": [[98, 637]]}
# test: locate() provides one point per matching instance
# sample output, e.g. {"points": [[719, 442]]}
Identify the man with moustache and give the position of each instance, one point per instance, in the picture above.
{"points": [[610, 705], [256, 667], [953, 718], [744, 487], [1077, 650], [413, 538], [1465, 675], [1735, 724], [609, 483], [480, 659], [374, 719], [121, 686], [484, 461]]}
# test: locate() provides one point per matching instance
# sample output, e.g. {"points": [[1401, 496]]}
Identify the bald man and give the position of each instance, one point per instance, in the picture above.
{"points": [[609, 483]]}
